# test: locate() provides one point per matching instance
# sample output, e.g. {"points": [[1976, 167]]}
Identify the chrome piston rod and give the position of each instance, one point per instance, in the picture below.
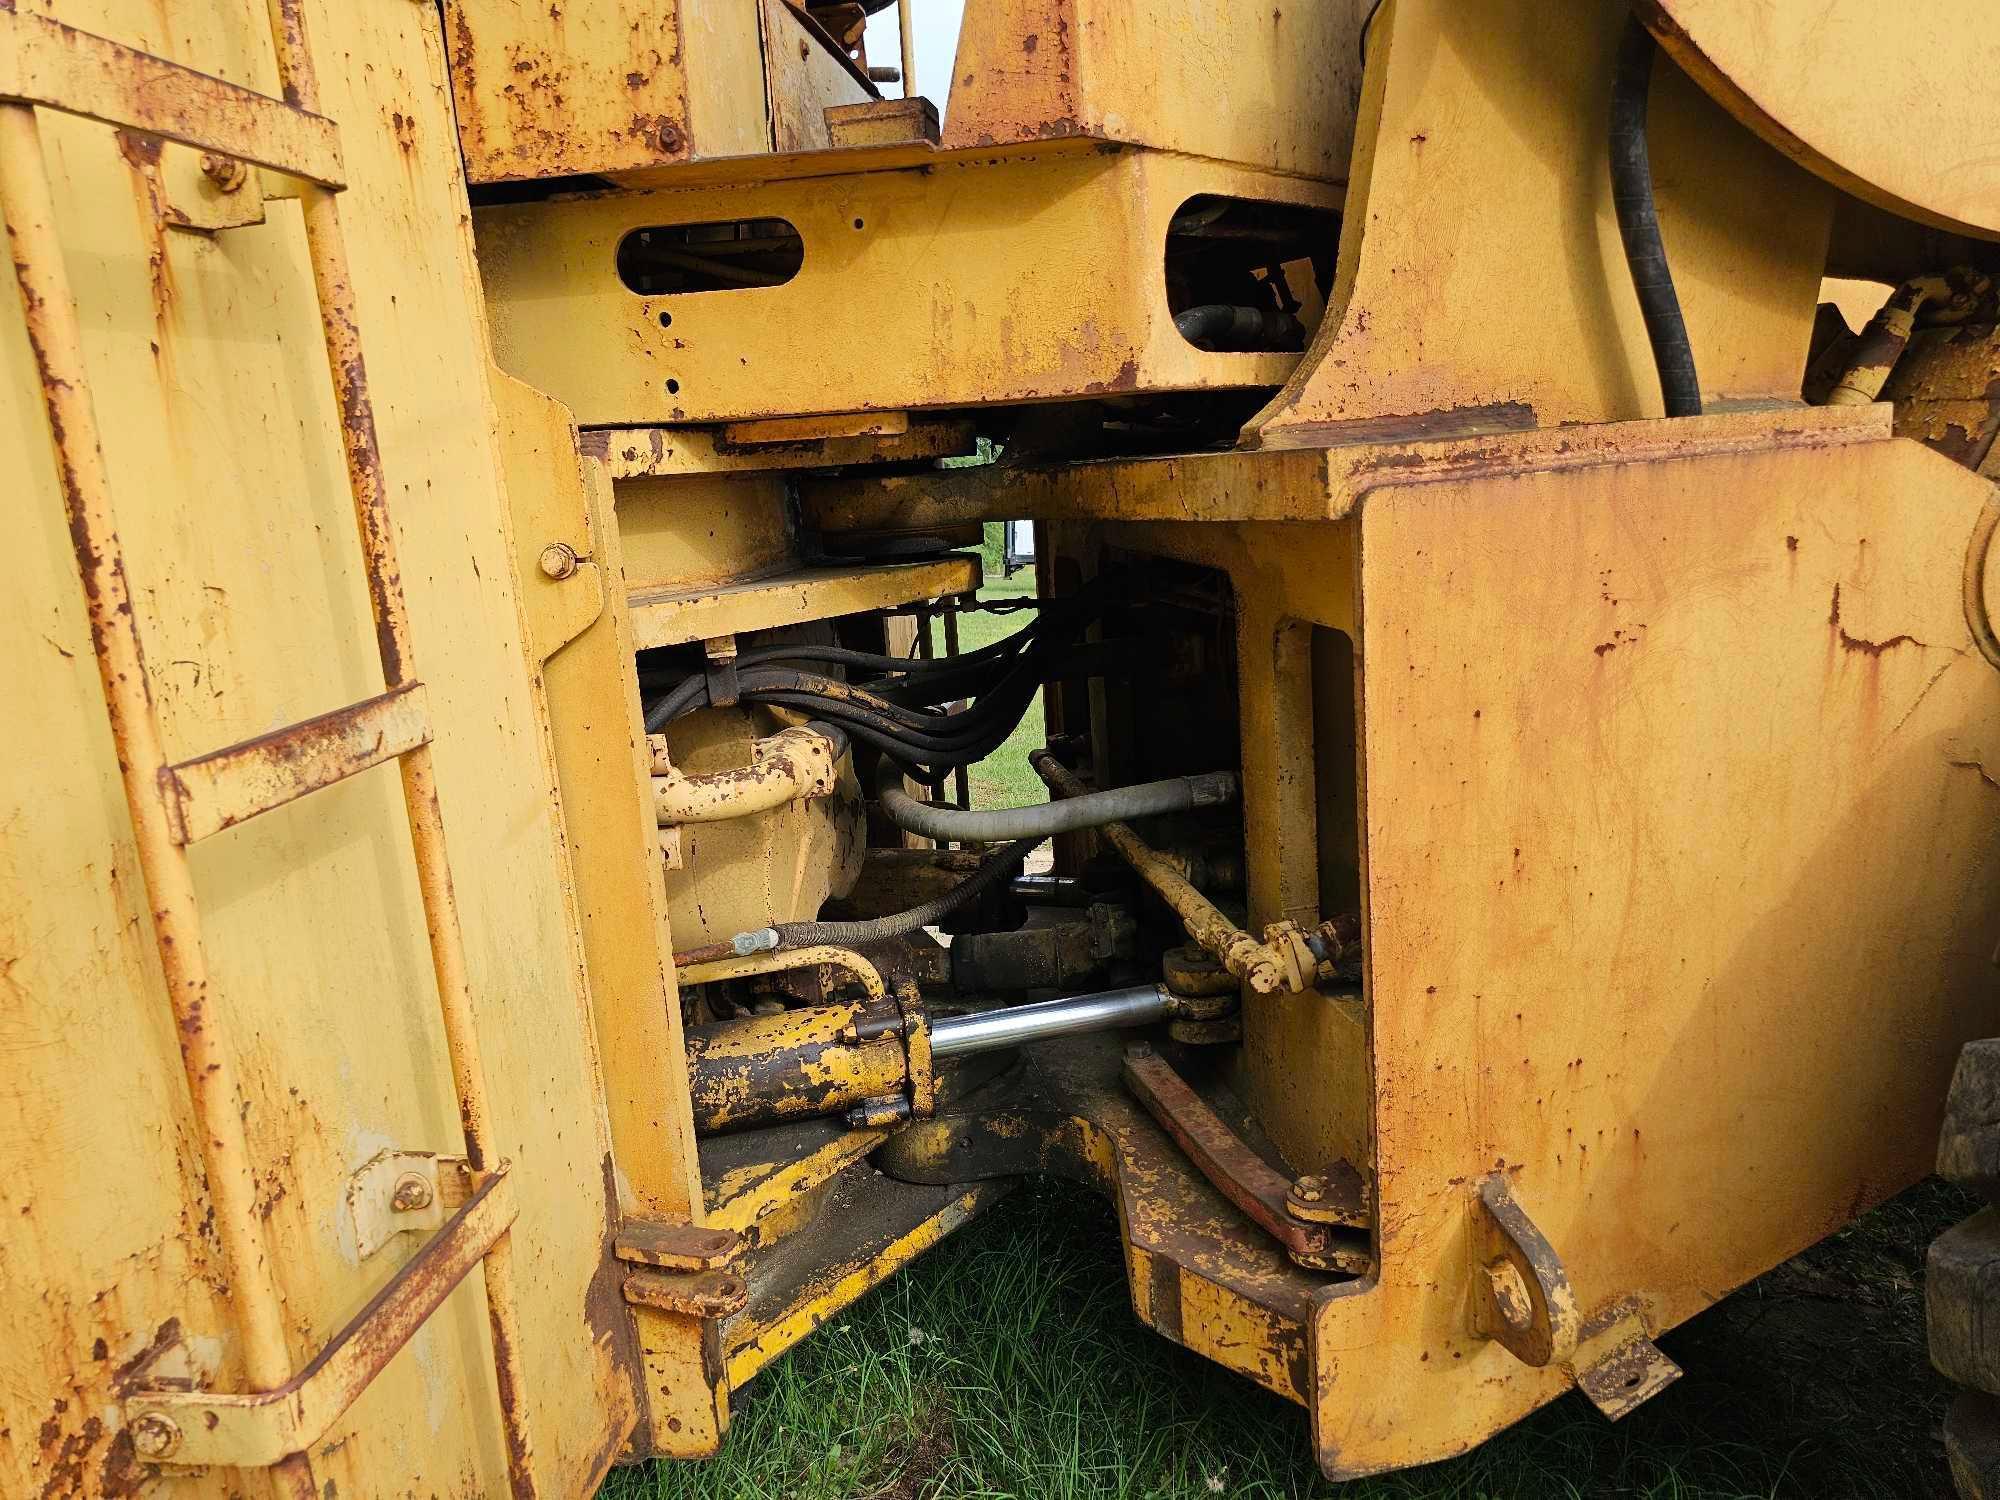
{"points": [[1010, 1026]]}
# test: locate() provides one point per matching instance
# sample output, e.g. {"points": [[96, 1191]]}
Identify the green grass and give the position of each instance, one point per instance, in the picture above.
{"points": [[1007, 1364]]}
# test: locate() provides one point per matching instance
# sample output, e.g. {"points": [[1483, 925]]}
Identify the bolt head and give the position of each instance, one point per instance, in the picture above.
{"points": [[413, 1191], [1309, 1189], [558, 560], [226, 172], [155, 1436], [670, 138]]}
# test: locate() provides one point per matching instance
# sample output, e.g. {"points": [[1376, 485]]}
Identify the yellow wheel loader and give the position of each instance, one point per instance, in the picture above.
{"points": [[496, 942]]}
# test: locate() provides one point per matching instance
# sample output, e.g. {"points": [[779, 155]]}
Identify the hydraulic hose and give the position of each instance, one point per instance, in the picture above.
{"points": [[1008, 669], [1250, 328], [878, 929], [1639, 224], [1045, 819]]}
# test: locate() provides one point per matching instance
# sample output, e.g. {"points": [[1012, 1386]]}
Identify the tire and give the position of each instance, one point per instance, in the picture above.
{"points": [[1962, 1275]]}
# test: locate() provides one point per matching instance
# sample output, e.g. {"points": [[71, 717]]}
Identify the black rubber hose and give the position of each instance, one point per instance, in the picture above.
{"points": [[1053, 629], [874, 661], [1042, 820], [940, 680], [1002, 692], [924, 747], [693, 694], [1639, 224], [880, 929]]}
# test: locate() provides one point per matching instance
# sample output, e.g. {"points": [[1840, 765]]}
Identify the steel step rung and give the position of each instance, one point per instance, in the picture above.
{"points": [[259, 1429], [77, 72], [233, 785]]}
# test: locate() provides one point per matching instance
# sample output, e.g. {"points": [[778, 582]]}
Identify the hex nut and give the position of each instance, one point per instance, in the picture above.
{"points": [[558, 560], [1309, 1189], [155, 1436], [228, 173], [413, 1191]]}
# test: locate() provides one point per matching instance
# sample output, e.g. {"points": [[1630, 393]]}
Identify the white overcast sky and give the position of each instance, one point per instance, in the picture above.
{"points": [[937, 42]]}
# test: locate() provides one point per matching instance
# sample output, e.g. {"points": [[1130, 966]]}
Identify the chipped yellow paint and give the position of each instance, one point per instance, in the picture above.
{"points": [[753, 1345], [746, 1198]]}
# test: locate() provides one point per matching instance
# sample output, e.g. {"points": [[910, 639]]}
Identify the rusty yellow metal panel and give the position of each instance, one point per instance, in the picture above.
{"points": [[908, 296], [222, 443], [661, 618], [1895, 108], [1300, 484], [626, 87], [704, 530], [803, 78], [550, 90], [1617, 858], [765, 1333], [725, 105], [1484, 125], [1269, 87], [600, 760]]}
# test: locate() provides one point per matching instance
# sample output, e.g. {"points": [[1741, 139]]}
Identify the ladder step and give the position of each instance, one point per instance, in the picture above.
{"points": [[225, 1430], [55, 66], [233, 785]]}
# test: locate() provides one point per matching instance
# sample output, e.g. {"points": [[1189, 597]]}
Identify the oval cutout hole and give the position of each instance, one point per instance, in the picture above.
{"points": [[1248, 276], [728, 255]]}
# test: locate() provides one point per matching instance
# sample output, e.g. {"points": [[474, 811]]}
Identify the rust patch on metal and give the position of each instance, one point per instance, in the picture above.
{"points": [[704, 1294], [93, 77], [604, 1311], [230, 786], [1410, 427], [677, 1247], [1851, 642], [1163, 1297], [1238, 1173], [1526, 1304], [802, 1062]]}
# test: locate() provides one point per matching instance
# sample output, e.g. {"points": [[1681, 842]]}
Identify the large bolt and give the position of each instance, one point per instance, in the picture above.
{"points": [[558, 560], [155, 1436], [413, 1191], [670, 137], [1309, 1189], [226, 172]]}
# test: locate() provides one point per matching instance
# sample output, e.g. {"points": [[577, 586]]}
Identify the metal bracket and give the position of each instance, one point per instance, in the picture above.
{"points": [[1239, 1173], [401, 1192], [203, 192], [1618, 1366], [197, 1428], [557, 503], [1522, 1297], [677, 1247], [1339, 1196], [706, 1295], [917, 1049]]}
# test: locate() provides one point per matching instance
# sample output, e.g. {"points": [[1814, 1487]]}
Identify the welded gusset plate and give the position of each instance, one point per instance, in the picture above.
{"points": [[1201, 1272]]}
